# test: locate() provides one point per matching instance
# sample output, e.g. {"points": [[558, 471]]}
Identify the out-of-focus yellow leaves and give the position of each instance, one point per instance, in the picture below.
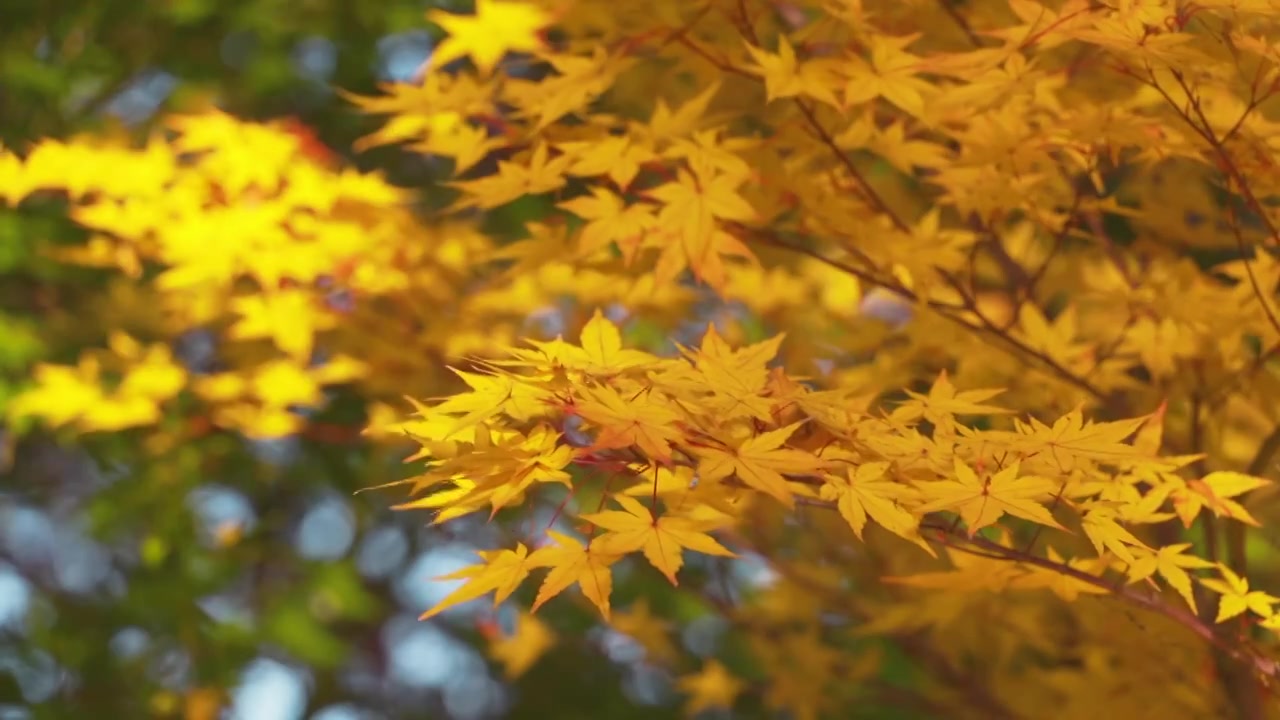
{"points": [[61, 394], [282, 383], [712, 687], [155, 377], [64, 395], [1069, 587], [289, 318], [250, 235], [81, 168], [518, 651], [102, 251], [651, 630]]}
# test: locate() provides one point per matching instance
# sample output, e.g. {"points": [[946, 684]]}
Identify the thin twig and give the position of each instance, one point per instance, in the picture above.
{"points": [[870, 192], [1262, 666], [953, 12]]}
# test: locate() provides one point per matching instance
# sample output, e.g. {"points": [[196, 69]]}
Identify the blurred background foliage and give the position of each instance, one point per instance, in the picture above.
{"points": [[229, 578]]}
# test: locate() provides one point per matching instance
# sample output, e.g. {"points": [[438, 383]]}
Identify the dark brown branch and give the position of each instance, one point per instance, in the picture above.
{"points": [[870, 192], [949, 311], [989, 327], [1261, 666], [948, 7]]}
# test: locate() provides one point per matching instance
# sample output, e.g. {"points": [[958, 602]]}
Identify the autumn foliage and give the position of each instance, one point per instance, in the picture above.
{"points": [[959, 317]]}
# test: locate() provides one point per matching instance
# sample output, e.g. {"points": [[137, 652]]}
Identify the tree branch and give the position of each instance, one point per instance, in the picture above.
{"points": [[1262, 667]]}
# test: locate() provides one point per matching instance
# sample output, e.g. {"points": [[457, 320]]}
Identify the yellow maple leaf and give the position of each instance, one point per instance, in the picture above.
{"points": [[489, 395], [1172, 564], [661, 538], [943, 399], [1057, 339], [1071, 439], [639, 420], [715, 348], [501, 474], [1150, 436], [735, 377], [866, 492], [539, 173], [619, 158], [602, 348], [610, 220], [1237, 597], [692, 207], [785, 76], [759, 462], [501, 573], [457, 500], [1038, 19], [573, 563], [982, 501], [890, 74], [497, 28], [1102, 529], [907, 154], [669, 124], [1216, 491]]}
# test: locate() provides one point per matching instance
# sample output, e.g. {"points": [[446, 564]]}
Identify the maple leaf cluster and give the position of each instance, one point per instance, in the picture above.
{"points": [[706, 435]]}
